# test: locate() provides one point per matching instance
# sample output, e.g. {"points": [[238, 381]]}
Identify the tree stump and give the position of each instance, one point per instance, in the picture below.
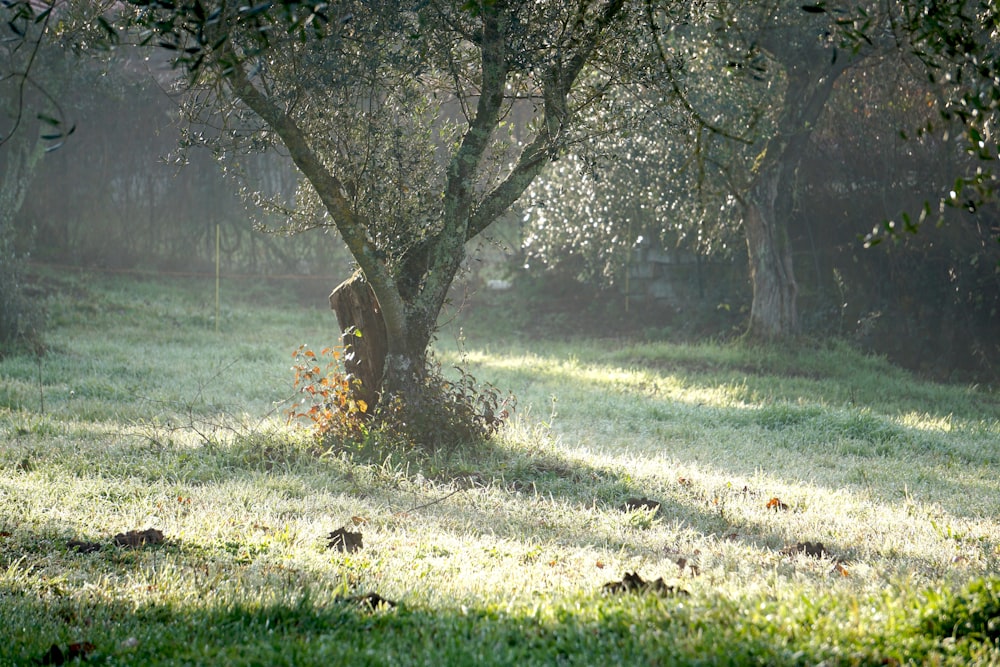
{"points": [[357, 310]]}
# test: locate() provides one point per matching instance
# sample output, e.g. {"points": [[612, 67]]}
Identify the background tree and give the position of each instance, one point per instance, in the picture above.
{"points": [[930, 300], [751, 81], [122, 194], [862, 161], [955, 45], [785, 58], [30, 119], [593, 220], [18, 319]]}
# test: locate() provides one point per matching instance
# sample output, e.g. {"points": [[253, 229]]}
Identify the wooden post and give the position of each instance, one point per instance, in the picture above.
{"points": [[217, 260]]}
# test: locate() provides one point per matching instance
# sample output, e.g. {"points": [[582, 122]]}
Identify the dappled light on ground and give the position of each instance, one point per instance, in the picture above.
{"points": [[755, 493]]}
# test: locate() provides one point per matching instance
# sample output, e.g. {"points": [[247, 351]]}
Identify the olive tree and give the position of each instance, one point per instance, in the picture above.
{"points": [[743, 86], [780, 61], [810, 47], [414, 125]]}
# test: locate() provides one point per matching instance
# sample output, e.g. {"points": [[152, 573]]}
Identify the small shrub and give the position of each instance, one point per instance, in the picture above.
{"points": [[328, 396], [441, 415], [435, 414]]}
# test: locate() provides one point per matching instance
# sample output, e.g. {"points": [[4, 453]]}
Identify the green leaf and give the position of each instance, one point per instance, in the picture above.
{"points": [[107, 29], [250, 12]]}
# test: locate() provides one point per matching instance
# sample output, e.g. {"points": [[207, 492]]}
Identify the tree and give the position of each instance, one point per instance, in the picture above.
{"points": [[17, 318], [24, 137], [593, 213], [743, 87], [954, 45], [928, 300], [399, 119], [813, 45], [787, 57]]}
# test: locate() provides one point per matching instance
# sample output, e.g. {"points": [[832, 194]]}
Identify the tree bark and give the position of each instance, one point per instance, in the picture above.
{"points": [[773, 313], [811, 69], [362, 332]]}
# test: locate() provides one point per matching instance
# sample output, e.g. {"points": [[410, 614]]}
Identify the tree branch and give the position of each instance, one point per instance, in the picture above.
{"points": [[558, 81], [331, 191], [462, 168]]}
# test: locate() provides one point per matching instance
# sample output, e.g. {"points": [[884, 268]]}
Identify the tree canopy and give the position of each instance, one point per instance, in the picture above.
{"points": [[416, 125]]}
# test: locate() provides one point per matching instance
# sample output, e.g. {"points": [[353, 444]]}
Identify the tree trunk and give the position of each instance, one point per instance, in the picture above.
{"points": [[773, 313], [363, 335], [379, 367], [23, 155], [811, 68]]}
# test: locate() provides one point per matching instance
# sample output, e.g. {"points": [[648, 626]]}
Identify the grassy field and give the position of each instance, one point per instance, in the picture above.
{"points": [[815, 506]]}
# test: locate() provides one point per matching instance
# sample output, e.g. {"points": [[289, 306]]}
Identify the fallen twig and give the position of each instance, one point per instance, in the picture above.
{"points": [[433, 502]]}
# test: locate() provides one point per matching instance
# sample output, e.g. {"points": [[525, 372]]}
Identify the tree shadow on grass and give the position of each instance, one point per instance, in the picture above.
{"points": [[309, 628], [705, 417], [544, 492]]}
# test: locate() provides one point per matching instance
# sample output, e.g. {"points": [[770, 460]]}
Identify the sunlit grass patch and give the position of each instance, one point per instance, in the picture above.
{"points": [[498, 554]]}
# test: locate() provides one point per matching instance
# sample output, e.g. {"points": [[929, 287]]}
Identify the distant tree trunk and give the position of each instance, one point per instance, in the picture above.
{"points": [[773, 313], [811, 68], [23, 153]]}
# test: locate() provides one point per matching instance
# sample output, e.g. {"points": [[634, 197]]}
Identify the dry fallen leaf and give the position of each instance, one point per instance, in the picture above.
{"points": [[56, 656], [83, 547], [137, 538], [632, 582], [813, 549], [776, 504], [344, 540], [632, 504]]}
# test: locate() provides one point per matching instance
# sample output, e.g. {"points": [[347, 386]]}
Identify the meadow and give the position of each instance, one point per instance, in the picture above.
{"points": [[785, 505]]}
